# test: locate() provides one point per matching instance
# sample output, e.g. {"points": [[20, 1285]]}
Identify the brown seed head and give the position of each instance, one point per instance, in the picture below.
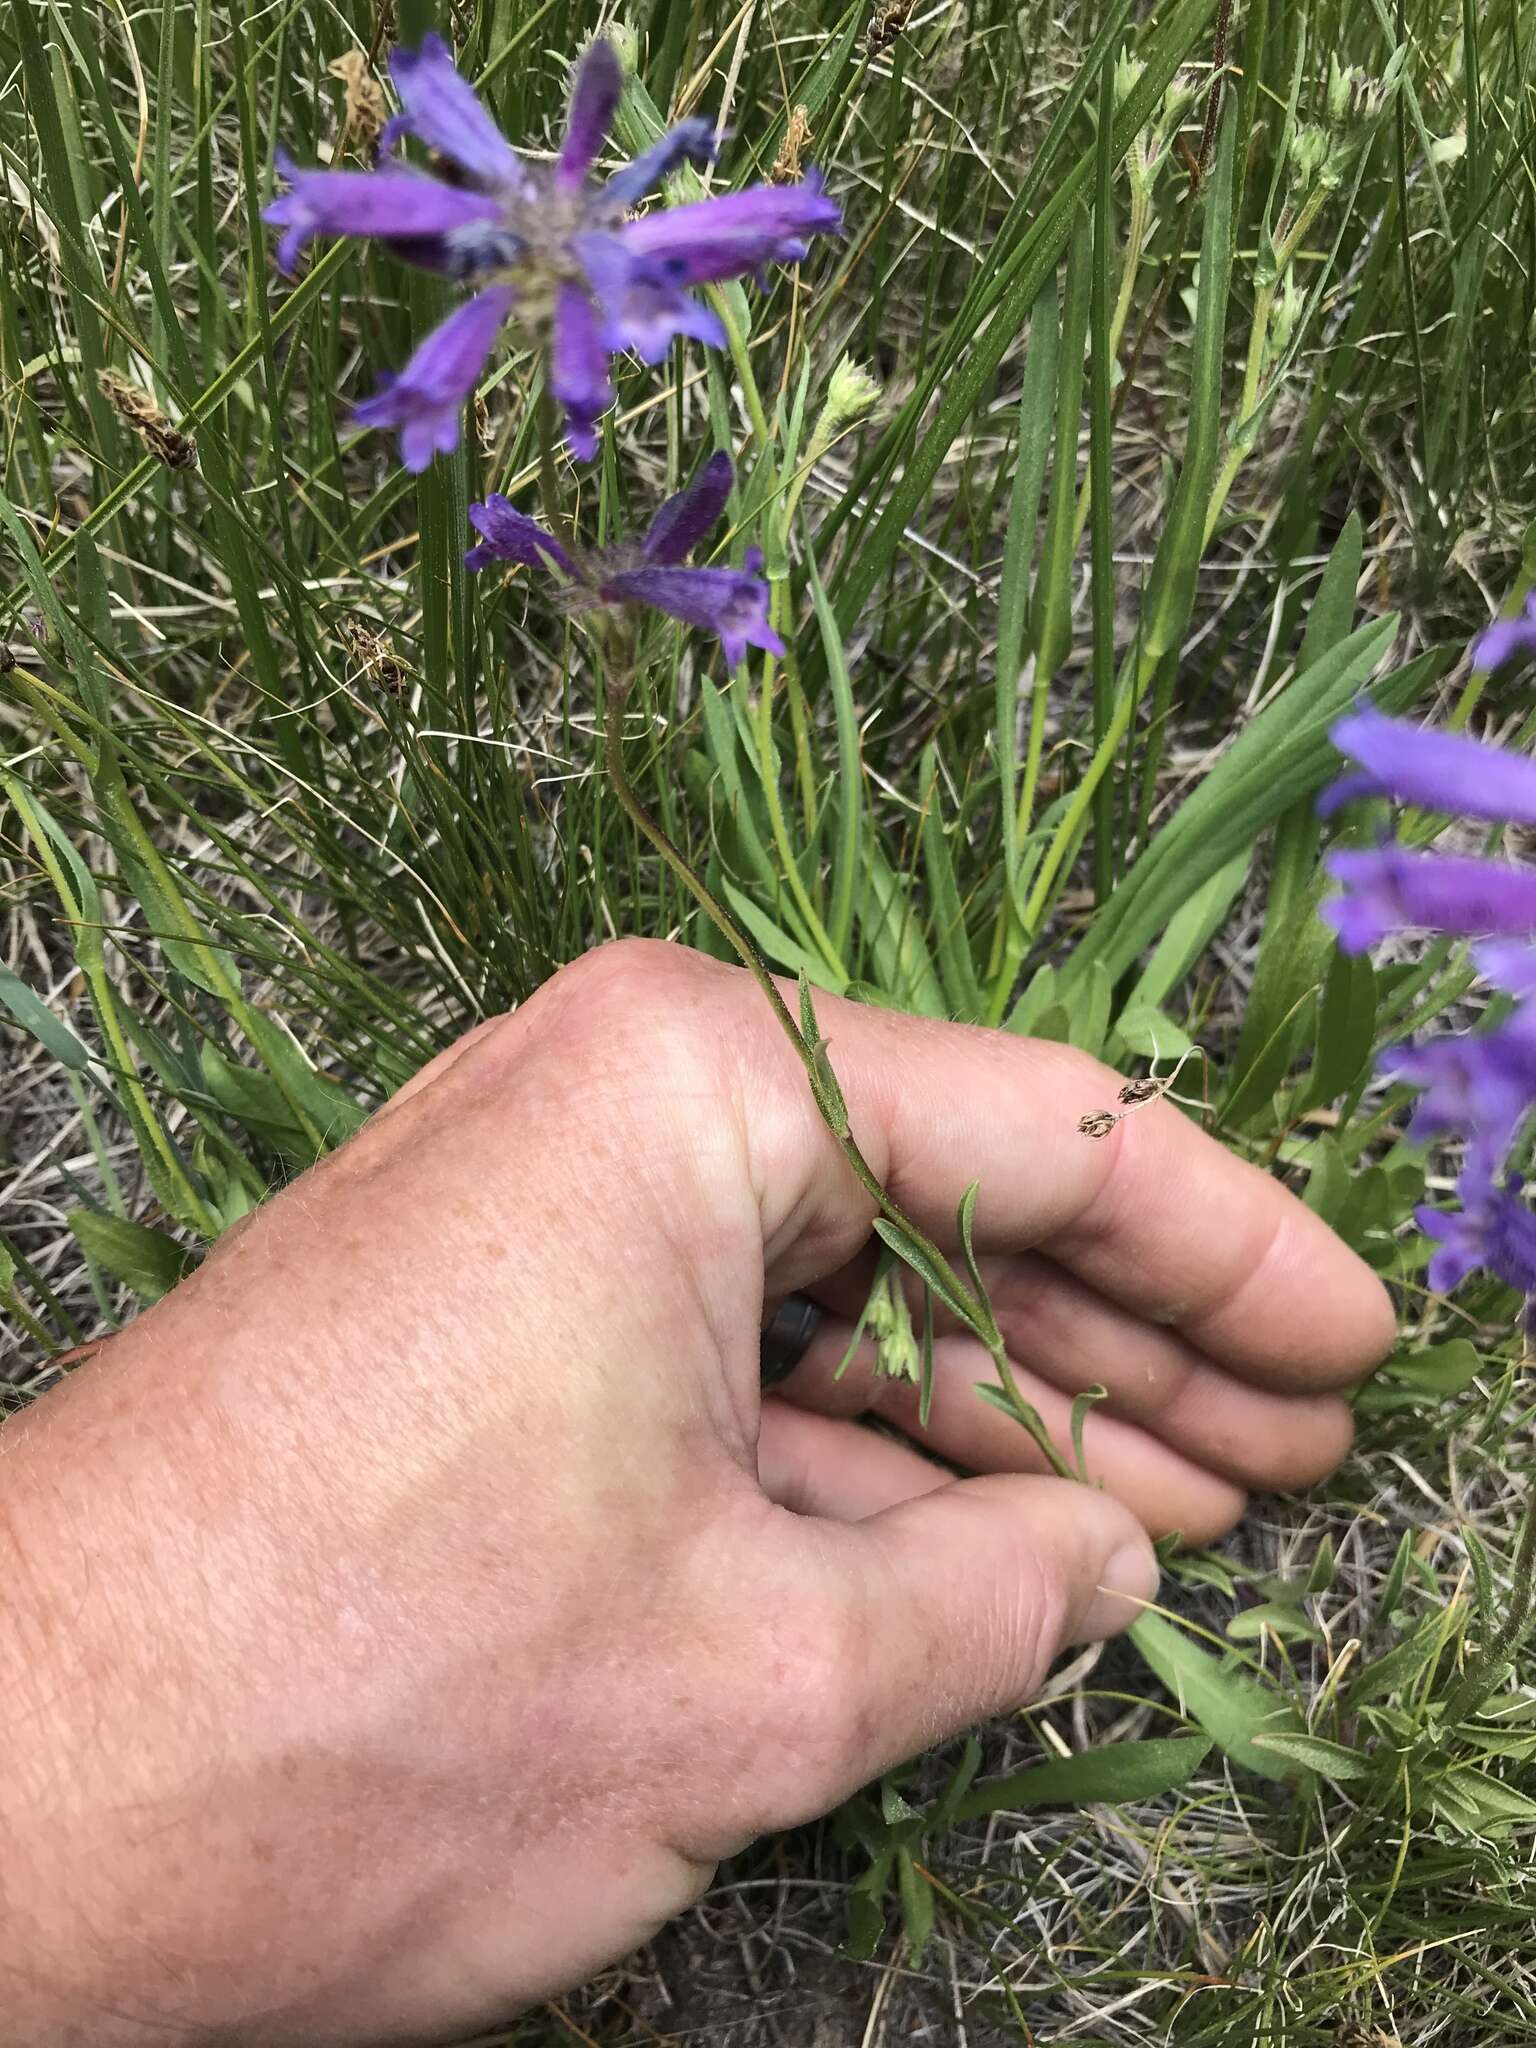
{"points": [[1099, 1125], [137, 409], [1139, 1091], [365, 110], [373, 657], [887, 23], [786, 165]]}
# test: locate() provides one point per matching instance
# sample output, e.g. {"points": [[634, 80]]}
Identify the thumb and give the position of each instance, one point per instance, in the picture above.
{"points": [[957, 1602]]}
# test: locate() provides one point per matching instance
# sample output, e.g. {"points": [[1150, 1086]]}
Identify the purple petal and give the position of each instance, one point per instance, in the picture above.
{"points": [[1444, 771], [639, 312], [730, 236], [1477, 1085], [1389, 890], [511, 536], [427, 398], [691, 141], [578, 373], [1461, 1248], [1495, 1230], [1504, 639], [401, 205], [723, 601], [1508, 966], [684, 520], [443, 111], [594, 98]]}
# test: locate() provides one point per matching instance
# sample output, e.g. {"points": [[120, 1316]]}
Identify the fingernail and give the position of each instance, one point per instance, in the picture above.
{"points": [[1126, 1584]]}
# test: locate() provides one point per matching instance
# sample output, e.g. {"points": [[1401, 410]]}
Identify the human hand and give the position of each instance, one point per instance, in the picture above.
{"points": [[401, 1620]]}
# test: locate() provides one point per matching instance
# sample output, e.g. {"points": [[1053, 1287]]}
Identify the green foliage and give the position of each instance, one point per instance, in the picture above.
{"points": [[1168, 469]]}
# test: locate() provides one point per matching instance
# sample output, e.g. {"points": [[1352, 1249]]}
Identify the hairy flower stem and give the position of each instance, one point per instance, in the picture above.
{"points": [[974, 1307]]}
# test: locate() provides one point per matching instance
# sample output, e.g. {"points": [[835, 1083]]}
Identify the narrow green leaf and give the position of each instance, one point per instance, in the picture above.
{"points": [[907, 1248], [1329, 1760], [1118, 1772], [34, 1015], [916, 1895], [1229, 1704]]}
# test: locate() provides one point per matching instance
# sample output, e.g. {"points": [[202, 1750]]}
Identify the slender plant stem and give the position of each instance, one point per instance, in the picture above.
{"points": [[969, 1303], [976, 1309]]}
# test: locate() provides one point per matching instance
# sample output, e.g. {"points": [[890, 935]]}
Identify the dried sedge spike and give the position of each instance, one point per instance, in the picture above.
{"points": [[786, 165], [890, 18], [1140, 1091], [137, 409], [7, 658], [1099, 1125], [374, 659], [366, 109]]}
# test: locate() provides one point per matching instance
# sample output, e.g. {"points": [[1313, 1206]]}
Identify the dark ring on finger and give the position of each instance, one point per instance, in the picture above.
{"points": [[787, 1337]]}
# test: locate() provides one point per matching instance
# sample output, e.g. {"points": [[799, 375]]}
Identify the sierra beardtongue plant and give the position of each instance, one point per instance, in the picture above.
{"points": [[558, 247], [1478, 1086], [552, 243]]}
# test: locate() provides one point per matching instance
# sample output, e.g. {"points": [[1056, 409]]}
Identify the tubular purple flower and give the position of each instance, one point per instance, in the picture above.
{"points": [[1443, 771], [640, 312], [1483, 1083], [442, 110], [739, 232], [1508, 965], [396, 205], [691, 142], [578, 368], [1506, 638], [1388, 890], [732, 603], [1481, 1087], [427, 398], [684, 519], [1494, 1228], [511, 536], [594, 102]]}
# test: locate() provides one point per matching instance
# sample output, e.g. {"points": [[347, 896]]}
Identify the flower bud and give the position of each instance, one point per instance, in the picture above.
{"points": [[1128, 74], [625, 38]]}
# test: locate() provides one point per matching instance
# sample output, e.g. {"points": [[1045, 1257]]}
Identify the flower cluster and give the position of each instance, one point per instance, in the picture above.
{"points": [[553, 243], [730, 602], [1480, 1086]]}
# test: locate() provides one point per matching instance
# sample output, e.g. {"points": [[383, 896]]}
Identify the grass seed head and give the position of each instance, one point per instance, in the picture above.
{"points": [[137, 409], [365, 109], [786, 165]]}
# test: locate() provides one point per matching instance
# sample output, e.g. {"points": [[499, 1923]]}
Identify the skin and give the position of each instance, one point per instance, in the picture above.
{"points": [[406, 1614]]}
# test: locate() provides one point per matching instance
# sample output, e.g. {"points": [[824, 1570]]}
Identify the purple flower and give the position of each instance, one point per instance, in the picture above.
{"points": [[730, 602], [1481, 1084], [1479, 1087], [641, 275], [1494, 1228], [1388, 890], [1443, 771], [1506, 638], [426, 399], [554, 239]]}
